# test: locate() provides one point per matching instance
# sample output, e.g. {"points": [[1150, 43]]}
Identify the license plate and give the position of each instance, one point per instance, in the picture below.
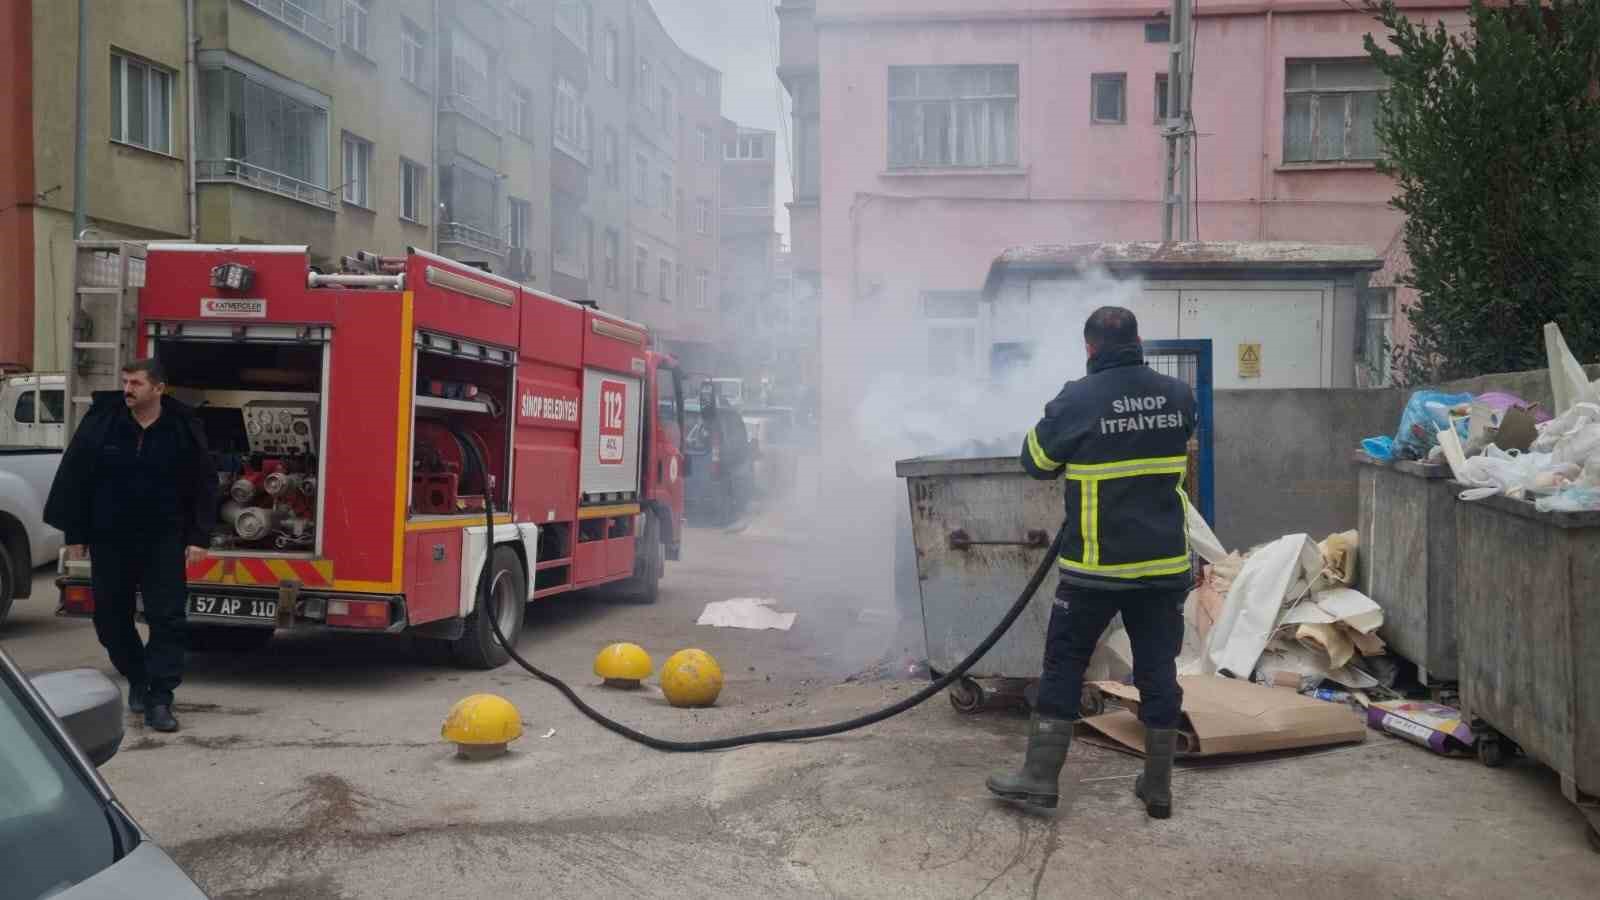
{"points": [[233, 607]]}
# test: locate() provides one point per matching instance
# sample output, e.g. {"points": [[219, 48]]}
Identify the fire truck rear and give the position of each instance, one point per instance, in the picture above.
{"points": [[362, 423]]}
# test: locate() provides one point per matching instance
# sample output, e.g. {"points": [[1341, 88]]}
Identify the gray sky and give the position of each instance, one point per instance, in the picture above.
{"points": [[740, 37]]}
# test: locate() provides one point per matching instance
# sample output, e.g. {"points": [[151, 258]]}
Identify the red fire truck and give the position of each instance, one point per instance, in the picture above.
{"points": [[360, 422]]}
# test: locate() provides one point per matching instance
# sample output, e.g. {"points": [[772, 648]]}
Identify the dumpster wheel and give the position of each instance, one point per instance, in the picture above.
{"points": [[966, 695]]}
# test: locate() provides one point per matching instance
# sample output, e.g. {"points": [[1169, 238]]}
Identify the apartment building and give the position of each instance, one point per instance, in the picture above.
{"points": [[699, 198], [930, 136], [499, 132], [749, 238]]}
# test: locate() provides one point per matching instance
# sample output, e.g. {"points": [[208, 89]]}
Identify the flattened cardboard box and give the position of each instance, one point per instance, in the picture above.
{"points": [[1225, 715]]}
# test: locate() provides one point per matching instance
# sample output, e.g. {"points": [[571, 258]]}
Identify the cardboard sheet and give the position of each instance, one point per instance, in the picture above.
{"points": [[1227, 716]]}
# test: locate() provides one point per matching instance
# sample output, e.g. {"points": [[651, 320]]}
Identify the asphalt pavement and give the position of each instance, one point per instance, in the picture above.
{"points": [[314, 768]]}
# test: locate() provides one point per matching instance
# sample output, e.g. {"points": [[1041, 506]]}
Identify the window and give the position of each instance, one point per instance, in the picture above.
{"points": [[610, 54], [413, 54], [612, 250], [357, 171], [572, 121], [645, 85], [1158, 33], [666, 195], [1377, 338], [263, 130], [677, 280], [666, 110], [1109, 99], [570, 230], [519, 112], [702, 216], [519, 215], [706, 144], [355, 23], [1162, 95], [470, 204], [665, 284], [470, 69], [749, 146], [572, 20], [411, 191], [1330, 111], [702, 290], [641, 180], [609, 158], [641, 270], [141, 104], [702, 83], [952, 116], [26, 408]]}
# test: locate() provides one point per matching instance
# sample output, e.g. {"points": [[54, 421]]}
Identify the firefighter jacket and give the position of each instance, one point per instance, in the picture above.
{"points": [[1119, 437]]}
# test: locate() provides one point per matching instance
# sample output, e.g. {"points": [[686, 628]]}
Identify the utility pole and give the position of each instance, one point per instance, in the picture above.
{"points": [[1178, 171]]}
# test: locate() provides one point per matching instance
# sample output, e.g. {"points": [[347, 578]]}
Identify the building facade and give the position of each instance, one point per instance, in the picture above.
{"points": [[929, 138], [499, 132], [749, 240]]}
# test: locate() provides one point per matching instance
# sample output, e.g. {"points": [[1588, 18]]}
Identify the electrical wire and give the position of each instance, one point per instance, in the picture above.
{"points": [[488, 606]]}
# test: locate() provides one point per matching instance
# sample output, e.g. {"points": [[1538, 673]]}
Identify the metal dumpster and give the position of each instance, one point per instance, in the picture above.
{"points": [[1408, 559], [1528, 629], [980, 527]]}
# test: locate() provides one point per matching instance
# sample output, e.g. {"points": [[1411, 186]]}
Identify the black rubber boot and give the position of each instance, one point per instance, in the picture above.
{"points": [[160, 718], [1154, 787], [1037, 782], [136, 698]]}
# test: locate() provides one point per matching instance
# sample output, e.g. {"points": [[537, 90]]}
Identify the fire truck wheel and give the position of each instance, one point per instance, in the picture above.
{"points": [[477, 647], [227, 639], [645, 585]]}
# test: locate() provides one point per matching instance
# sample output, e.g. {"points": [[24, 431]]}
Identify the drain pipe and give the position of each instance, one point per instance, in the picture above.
{"points": [[433, 152], [189, 40], [80, 145]]}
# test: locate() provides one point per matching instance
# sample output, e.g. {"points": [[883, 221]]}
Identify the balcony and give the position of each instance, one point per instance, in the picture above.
{"points": [[468, 236], [470, 109], [296, 18], [233, 171]]}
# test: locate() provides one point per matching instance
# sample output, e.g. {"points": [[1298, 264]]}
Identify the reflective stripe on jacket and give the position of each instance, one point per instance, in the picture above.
{"points": [[1119, 437]]}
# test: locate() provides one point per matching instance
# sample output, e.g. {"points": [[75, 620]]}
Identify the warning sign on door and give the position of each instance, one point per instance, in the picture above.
{"points": [[1249, 360], [613, 404]]}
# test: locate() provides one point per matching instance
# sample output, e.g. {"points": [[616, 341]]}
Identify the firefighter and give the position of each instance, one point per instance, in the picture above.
{"points": [[136, 491], [1119, 437]]}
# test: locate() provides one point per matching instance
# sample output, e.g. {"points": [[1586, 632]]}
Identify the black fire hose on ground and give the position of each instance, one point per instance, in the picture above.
{"points": [[761, 737]]}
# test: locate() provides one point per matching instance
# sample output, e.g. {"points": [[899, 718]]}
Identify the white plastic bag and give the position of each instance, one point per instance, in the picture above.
{"points": [[1570, 384]]}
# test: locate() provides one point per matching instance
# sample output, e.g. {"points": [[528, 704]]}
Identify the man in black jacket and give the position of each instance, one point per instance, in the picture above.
{"points": [[1119, 437], [136, 490]]}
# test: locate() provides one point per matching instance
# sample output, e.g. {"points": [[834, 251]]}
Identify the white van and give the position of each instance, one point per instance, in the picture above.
{"points": [[33, 410]]}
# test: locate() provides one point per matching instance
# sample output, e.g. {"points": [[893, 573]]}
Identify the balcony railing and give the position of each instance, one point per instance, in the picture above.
{"points": [[300, 19], [466, 235], [466, 106], [239, 172]]}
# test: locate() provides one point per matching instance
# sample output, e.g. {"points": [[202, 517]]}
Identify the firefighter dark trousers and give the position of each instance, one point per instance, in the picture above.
{"points": [[155, 569], [1154, 621]]}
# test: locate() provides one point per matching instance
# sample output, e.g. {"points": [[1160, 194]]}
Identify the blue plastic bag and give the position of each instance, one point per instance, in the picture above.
{"points": [[1380, 448], [1426, 414]]}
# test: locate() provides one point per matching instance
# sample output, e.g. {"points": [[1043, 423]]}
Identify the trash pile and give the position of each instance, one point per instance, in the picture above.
{"points": [[1284, 615], [1498, 444]]}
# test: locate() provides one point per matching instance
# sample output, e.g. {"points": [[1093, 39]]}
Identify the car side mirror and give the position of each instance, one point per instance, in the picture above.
{"points": [[89, 706]]}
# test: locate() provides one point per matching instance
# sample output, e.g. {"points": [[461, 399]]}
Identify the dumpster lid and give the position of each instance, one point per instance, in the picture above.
{"points": [[924, 466]]}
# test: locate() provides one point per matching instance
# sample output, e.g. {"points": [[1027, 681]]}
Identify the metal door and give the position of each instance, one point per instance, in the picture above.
{"points": [[1190, 362]]}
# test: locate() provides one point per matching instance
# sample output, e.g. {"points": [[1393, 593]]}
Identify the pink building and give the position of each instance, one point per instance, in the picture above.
{"points": [[931, 135]]}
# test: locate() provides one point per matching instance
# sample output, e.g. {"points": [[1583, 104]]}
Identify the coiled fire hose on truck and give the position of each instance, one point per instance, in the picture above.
{"points": [[486, 605]]}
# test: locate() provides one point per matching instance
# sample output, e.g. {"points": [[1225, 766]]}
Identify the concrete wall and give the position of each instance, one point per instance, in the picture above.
{"points": [[1284, 457]]}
